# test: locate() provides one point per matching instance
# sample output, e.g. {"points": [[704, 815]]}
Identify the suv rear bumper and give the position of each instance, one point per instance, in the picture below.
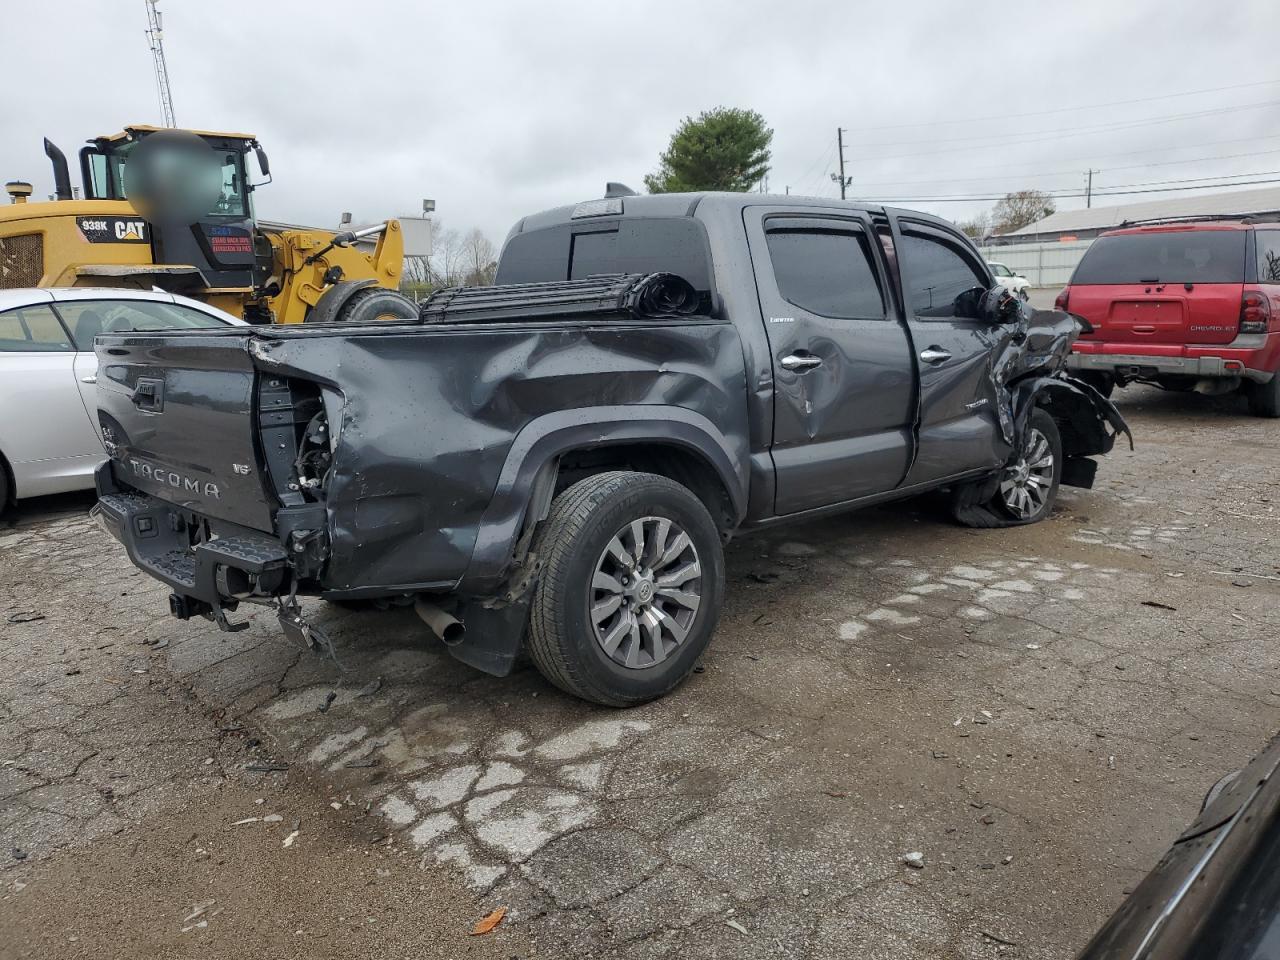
{"points": [[1136, 365], [156, 535]]}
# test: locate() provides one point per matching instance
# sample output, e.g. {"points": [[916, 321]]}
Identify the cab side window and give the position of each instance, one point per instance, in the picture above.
{"points": [[827, 272], [936, 276], [33, 330]]}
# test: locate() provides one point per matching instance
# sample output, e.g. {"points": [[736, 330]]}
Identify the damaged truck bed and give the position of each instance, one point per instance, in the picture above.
{"points": [[555, 462]]}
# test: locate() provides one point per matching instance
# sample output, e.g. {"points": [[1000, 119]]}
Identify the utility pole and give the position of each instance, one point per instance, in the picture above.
{"points": [[1088, 189], [155, 40], [841, 178]]}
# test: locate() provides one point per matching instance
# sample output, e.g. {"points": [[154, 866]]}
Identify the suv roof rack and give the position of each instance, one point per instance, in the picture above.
{"points": [[1198, 218]]}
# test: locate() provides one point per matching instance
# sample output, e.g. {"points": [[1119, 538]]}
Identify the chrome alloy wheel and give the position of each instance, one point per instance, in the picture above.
{"points": [[1026, 483], [645, 592]]}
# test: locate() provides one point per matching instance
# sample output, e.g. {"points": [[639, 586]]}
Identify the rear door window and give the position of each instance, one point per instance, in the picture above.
{"points": [[88, 318], [33, 329], [827, 272], [1187, 256], [1268, 256]]}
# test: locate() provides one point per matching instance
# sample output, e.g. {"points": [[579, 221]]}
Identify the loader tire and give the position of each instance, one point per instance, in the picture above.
{"points": [[375, 303], [631, 588]]}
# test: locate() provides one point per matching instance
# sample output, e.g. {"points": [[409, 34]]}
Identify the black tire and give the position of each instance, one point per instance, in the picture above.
{"points": [[374, 303], [571, 544], [1104, 383], [984, 503], [5, 492], [1264, 398]]}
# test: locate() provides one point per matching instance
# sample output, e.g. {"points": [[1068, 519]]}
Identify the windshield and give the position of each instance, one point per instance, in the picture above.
{"points": [[1190, 256], [1000, 270], [232, 200]]}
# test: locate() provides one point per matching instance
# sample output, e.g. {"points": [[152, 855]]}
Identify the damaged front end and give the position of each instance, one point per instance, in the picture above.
{"points": [[1028, 371]]}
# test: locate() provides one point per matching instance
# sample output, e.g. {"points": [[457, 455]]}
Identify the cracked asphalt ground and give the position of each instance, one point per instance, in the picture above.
{"points": [[1037, 711]]}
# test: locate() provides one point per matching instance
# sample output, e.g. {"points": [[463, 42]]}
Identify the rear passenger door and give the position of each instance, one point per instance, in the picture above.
{"points": [[942, 279], [842, 366]]}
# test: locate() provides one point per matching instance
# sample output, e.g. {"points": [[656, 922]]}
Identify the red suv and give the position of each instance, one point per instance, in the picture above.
{"points": [[1185, 306]]}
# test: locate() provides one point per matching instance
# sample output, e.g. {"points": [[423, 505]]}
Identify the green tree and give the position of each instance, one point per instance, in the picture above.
{"points": [[722, 149]]}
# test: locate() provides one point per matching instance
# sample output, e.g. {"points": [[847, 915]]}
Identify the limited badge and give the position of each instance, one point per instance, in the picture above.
{"points": [[113, 229]]}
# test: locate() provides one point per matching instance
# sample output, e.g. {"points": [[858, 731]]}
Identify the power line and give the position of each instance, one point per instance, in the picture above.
{"points": [[988, 141], [1068, 194], [1091, 106], [1095, 127], [1072, 173]]}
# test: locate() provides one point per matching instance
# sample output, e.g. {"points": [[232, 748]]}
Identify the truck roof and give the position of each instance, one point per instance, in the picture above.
{"points": [[685, 205]]}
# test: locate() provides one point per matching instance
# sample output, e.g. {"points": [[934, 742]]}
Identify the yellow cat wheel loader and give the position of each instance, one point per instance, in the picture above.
{"points": [[265, 273]]}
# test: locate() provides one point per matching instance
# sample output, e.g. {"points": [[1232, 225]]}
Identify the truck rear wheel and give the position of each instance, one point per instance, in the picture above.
{"points": [[1264, 398], [631, 588]]}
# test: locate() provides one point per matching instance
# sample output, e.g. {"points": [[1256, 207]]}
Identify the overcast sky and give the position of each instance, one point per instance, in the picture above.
{"points": [[499, 109]]}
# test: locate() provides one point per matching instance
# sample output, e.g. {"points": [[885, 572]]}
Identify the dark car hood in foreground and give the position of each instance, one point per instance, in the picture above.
{"points": [[1216, 892]]}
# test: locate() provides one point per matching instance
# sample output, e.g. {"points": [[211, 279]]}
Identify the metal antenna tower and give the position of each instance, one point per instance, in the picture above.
{"points": [[155, 39]]}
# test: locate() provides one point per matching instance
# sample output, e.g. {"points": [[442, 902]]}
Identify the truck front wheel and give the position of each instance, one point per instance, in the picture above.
{"points": [[1026, 487], [631, 588]]}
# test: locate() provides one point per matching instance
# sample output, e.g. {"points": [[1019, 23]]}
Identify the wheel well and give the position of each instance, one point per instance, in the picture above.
{"points": [[685, 467]]}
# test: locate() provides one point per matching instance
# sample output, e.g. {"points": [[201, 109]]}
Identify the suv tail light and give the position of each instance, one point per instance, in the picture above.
{"points": [[1255, 312], [1060, 302]]}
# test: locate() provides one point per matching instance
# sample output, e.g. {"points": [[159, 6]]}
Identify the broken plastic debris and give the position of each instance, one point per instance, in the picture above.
{"points": [[735, 925], [272, 818], [240, 823], [914, 859], [487, 924], [288, 841]]}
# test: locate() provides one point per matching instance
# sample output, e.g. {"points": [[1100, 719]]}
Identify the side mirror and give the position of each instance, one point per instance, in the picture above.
{"points": [[263, 163], [999, 306]]}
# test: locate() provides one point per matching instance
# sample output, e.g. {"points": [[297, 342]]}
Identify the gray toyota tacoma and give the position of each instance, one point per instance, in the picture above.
{"points": [[555, 463]]}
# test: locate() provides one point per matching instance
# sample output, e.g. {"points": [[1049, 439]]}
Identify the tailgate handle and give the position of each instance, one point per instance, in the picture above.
{"points": [[148, 394], [1143, 328]]}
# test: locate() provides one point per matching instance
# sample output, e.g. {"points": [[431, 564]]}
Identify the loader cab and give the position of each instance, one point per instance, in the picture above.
{"points": [[221, 244]]}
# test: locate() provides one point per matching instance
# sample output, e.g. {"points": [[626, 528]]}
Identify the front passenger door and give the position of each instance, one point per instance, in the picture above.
{"points": [[942, 279]]}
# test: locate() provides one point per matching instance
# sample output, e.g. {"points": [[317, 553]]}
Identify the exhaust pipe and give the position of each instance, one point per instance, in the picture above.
{"points": [[444, 625], [61, 175]]}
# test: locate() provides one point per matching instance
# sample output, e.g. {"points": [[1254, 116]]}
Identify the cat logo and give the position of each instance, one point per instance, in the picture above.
{"points": [[113, 229], [130, 229]]}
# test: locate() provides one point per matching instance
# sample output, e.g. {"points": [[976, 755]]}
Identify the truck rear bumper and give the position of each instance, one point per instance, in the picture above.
{"points": [[1135, 366], [212, 574]]}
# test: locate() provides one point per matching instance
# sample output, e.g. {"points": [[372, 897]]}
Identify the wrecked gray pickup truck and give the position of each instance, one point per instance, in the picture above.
{"points": [[556, 462]]}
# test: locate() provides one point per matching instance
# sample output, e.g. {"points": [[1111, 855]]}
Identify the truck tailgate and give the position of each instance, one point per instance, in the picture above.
{"points": [[177, 416]]}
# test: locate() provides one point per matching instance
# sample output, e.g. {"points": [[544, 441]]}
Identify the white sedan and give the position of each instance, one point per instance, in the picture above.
{"points": [[49, 439], [1015, 283]]}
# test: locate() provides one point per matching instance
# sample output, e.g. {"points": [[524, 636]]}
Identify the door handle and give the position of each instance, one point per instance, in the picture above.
{"points": [[799, 361], [934, 355], [91, 378]]}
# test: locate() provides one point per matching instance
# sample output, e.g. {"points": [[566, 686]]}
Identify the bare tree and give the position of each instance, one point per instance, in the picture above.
{"points": [[479, 259], [979, 227], [1019, 209], [446, 258]]}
